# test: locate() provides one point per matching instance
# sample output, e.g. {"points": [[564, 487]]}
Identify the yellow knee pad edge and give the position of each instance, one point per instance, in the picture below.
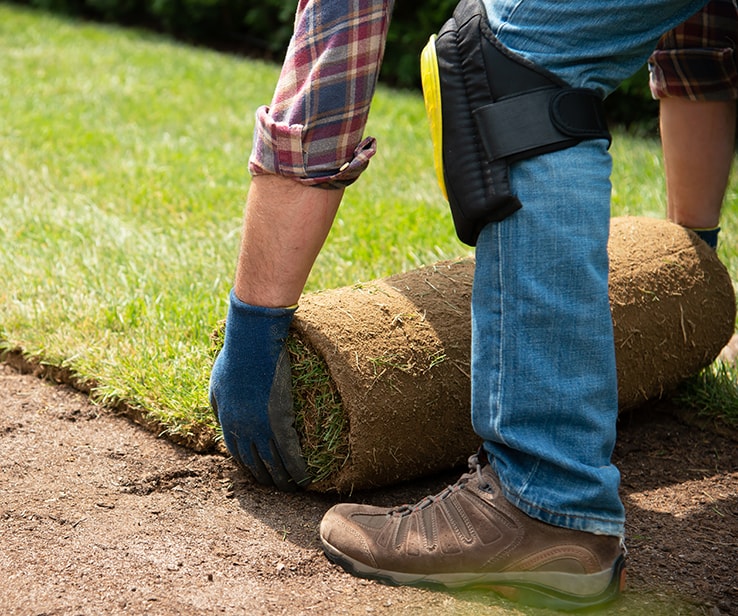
{"points": [[431, 82]]}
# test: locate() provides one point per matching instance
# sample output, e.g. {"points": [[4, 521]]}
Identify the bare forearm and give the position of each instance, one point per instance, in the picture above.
{"points": [[285, 226]]}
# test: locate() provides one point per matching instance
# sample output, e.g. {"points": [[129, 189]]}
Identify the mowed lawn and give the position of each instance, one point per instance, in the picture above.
{"points": [[124, 174]]}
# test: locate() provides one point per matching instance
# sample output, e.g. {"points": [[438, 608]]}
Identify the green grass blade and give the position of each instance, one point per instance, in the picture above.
{"points": [[123, 176]]}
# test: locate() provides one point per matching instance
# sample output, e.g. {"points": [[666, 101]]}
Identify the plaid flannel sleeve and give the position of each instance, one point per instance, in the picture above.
{"points": [[697, 59], [313, 129]]}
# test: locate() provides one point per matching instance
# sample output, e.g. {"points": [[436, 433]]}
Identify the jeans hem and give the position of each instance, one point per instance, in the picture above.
{"points": [[588, 524]]}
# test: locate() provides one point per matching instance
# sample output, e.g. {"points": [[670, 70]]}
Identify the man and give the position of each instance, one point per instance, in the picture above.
{"points": [[524, 159], [693, 74], [694, 77]]}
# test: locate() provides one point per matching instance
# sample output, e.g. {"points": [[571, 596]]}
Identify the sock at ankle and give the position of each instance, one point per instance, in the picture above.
{"points": [[709, 236]]}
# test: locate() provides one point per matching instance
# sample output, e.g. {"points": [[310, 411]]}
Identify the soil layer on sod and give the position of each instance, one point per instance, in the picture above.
{"points": [[381, 370]]}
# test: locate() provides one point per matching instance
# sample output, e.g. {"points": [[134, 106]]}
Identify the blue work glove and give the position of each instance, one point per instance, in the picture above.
{"points": [[251, 395]]}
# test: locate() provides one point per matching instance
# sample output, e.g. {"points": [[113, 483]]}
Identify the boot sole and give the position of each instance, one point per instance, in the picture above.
{"points": [[546, 589]]}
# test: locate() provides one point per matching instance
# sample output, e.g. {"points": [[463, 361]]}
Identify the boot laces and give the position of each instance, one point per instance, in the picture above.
{"points": [[475, 468]]}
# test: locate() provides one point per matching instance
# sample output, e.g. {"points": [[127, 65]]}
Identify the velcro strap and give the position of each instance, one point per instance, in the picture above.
{"points": [[539, 121]]}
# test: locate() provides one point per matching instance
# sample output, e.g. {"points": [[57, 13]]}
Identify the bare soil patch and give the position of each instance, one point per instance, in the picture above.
{"points": [[98, 516]]}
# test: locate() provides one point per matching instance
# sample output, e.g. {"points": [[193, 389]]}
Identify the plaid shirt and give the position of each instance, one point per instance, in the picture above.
{"points": [[697, 59], [312, 131]]}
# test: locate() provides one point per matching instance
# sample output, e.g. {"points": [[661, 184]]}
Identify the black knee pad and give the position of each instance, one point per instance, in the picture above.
{"points": [[488, 108]]}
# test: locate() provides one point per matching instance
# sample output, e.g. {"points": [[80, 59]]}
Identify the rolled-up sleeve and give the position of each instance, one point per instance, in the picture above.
{"points": [[696, 60], [313, 130]]}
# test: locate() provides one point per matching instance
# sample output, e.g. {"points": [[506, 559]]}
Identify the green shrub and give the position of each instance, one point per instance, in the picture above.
{"points": [[632, 106], [265, 28], [115, 10]]}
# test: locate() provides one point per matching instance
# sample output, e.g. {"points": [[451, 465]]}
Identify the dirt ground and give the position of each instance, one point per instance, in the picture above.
{"points": [[98, 516]]}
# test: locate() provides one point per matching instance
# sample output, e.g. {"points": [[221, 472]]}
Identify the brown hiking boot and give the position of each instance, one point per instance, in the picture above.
{"points": [[469, 535]]}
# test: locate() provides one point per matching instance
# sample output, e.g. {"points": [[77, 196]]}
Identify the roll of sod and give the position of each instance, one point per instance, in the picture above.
{"points": [[381, 377], [381, 372], [672, 303]]}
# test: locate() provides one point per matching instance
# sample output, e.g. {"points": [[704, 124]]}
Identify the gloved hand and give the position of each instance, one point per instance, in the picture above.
{"points": [[251, 395]]}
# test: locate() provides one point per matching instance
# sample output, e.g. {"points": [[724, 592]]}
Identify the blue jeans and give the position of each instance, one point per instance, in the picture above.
{"points": [[544, 389]]}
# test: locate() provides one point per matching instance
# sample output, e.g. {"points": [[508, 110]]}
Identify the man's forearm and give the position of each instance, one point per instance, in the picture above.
{"points": [[285, 226]]}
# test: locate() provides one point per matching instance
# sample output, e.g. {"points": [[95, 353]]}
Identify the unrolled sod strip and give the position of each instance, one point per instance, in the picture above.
{"points": [[381, 370]]}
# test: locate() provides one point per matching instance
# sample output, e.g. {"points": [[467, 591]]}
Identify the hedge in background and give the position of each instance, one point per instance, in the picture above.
{"points": [[264, 29]]}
